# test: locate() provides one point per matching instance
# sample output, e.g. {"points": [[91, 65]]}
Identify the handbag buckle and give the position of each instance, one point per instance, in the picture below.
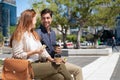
{"points": [[14, 72]]}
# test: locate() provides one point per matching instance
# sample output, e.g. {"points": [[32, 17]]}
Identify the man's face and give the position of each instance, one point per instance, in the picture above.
{"points": [[46, 20]]}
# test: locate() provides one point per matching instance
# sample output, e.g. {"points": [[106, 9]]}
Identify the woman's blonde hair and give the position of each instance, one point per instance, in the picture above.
{"points": [[24, 24]]}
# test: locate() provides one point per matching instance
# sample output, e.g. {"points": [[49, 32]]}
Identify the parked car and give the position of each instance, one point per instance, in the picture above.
{"points": [[85, 43], [70, 45]]}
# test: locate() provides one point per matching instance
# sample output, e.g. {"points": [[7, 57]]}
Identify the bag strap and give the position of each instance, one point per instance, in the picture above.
{"points": [[3, 77], [31, 72]]}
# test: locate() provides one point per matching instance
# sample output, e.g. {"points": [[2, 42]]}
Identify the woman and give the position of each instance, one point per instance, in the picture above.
{"points": [[26, 45]]}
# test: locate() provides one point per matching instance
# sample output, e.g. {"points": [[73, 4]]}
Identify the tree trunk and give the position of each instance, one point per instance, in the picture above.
{"points": [[96, 43], [96, 39], [64, 41], [78, 38]]}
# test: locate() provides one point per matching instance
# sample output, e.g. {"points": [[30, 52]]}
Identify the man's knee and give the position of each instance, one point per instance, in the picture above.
{"points": [[73, 68], [79, 69], [60, 77]]}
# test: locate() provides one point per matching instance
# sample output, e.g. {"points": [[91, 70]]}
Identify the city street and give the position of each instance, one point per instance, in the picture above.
{"points": [[93, 26]]}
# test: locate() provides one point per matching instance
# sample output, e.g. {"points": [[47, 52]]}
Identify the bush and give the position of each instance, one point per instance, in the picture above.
{"points": [[12, 29], [1, 62], [72, 38], [58, 37], [82, 39], [1, 39], [89, 37]]}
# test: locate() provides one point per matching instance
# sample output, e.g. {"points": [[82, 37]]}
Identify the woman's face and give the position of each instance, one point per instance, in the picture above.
{"points": [[34, 20]]}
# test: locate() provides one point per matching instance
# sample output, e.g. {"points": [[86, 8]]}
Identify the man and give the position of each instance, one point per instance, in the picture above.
{"points": [[48, 38]]}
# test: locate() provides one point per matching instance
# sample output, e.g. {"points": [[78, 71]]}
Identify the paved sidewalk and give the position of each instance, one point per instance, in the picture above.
{"points": [[101, 69], [116, 73]]}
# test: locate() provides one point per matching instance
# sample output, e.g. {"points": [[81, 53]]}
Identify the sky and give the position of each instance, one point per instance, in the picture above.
{"points": [[22, 5]]}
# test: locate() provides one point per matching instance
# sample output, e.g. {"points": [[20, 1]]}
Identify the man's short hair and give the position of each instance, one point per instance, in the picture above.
{"points": [[46, 10]]}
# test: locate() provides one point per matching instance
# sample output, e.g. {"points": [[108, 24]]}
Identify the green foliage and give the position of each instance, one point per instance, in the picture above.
{"points": [[82, 39], [38, 22], [84, 13], [72, 38], [12, 29], [1, 38], [89, 37], [58, 37], [1, 62], [60, 17]]}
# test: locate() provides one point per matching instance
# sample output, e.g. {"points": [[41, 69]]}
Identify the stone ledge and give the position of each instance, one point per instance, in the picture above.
{"points": [[86, 52]]}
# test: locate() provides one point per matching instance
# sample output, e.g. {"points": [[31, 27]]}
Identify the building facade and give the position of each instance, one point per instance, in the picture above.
{"points": [[117, 31], [8, 16]]}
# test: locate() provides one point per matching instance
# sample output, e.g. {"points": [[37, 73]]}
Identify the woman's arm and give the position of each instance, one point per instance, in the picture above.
{"points": [[17, 48], [38, 51], [19, 52], [46, 54], [50, 59]]}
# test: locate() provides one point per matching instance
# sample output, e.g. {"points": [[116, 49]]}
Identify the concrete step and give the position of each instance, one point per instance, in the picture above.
{"points": [[87, 52]]}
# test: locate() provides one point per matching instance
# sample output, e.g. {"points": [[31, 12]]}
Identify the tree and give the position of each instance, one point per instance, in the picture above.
{"points": [[80, 14], [106, 14], [61, 17], [95, 13]]}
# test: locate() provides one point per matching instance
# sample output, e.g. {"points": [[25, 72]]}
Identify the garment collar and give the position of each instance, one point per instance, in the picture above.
{"points": [[43, 28]]}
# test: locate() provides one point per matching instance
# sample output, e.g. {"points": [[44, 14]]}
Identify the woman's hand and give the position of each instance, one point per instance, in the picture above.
{"points": [[40, 51], [37, 51]]}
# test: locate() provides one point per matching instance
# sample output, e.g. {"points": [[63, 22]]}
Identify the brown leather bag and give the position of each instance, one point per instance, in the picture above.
{"points": [[17, 69]]}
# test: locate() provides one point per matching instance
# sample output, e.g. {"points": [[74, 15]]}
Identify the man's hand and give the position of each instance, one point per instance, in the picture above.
{"points": [[58, 50]]}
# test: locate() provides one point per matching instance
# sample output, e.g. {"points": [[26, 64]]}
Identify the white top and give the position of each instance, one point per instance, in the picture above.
{"points": [[27, 43]]}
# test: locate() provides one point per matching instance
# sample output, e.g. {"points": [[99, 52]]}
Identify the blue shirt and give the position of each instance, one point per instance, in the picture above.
{"points": [[49, 39]]}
